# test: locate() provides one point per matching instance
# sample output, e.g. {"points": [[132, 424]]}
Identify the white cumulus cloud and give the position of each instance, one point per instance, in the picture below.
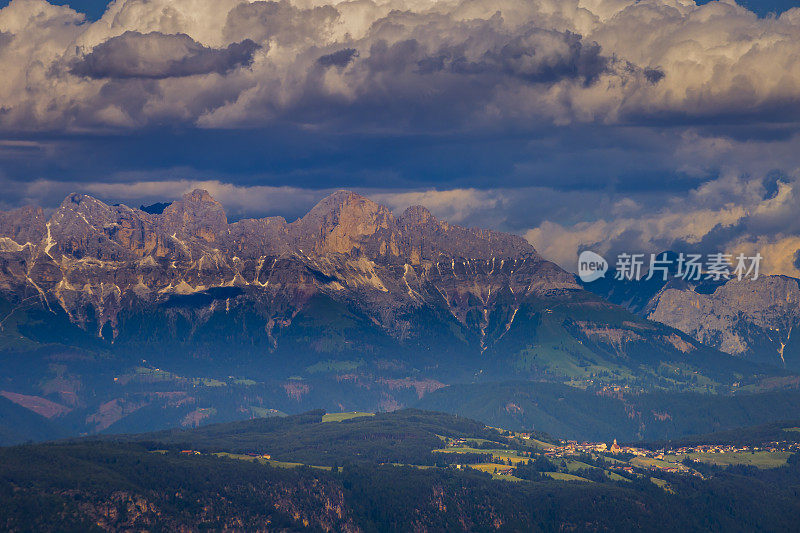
{"points": [[395, 63]]}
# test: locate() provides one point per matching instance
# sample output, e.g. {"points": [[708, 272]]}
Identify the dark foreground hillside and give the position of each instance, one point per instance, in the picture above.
{"points": [[151, 483], [99, 486]]}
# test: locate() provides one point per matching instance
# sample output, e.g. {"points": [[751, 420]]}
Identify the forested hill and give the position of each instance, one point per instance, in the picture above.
{"points": [[18, 425], [354, 472], [579, 414], [406, 436], [784, 430]]}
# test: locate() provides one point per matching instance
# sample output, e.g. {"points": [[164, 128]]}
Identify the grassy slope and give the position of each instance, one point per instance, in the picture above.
{"points": [[577, 336]]}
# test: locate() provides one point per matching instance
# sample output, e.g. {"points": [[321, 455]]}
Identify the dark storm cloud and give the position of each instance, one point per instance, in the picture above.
{"points": [[445, 76], [653, 75], [340, 58], [158, 56], [531, 57], [534, 56]]}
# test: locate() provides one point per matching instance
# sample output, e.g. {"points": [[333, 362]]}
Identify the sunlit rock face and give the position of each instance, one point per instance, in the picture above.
{"points": [[90, 253], [348, 279], [756, 319]]}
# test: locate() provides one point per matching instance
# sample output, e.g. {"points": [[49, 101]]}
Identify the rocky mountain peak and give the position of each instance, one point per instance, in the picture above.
{"points": [[417, 215], [72, 199], [345, 221], [342, 223], [26, 224], [83, 209], [200, 196], [197, 215], [342, 204]]}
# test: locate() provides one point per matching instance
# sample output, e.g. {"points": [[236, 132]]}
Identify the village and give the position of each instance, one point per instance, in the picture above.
{"points": [[570, 447], [626, 459], [515, 455]]}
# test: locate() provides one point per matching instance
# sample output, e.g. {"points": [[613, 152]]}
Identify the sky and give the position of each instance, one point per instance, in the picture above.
{"points": [[610, 125]]}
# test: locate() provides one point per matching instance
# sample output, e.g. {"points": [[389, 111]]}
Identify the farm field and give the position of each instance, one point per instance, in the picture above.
{"points": [[647, 462], [271, 462], [663, 484], [497, 454], [338, 417], [493, 469], [758, 459], [561, 476]]}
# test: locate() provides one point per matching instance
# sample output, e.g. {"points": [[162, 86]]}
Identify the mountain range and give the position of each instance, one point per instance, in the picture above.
{"points": [[114, 318], [753, 319]]}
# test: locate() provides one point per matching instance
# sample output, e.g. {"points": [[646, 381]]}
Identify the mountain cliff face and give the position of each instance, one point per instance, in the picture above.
{"points": [[100, 264], [756, 320], [115, 314], [752, 319]]}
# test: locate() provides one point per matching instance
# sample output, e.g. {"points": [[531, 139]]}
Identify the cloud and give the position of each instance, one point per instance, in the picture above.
{"points": [[340, 58], [529, 54], [762, 220], [281, 23], [158, 56], [779, 254], [456, 205], [239, 201], [654, 75], [608, 124], [730, 214], [461, 64], [647, 233]]}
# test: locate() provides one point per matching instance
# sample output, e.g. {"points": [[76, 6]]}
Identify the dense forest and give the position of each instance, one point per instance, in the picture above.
{"points": [[602, 415], [406, 436], [785, 430], [361, 474], [93, 485]]}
